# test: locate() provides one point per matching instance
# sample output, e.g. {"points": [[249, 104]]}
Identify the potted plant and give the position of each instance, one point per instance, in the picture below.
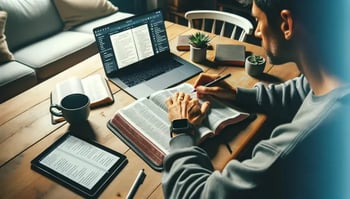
{"points": [[198, 46], [255, 65]]}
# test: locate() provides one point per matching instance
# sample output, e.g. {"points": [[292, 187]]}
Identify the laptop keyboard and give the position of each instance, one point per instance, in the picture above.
{"points": [[149, 72]]}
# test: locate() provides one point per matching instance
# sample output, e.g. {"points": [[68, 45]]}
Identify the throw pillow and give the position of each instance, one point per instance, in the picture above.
{"points": [[5, 54], [75, 12]]}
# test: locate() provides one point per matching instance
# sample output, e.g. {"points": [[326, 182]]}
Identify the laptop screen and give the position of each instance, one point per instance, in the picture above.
{"points": [[131, 40]]}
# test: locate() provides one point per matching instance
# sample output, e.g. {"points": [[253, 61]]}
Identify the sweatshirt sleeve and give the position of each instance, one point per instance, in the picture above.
{"points": [[282, 99], [188, 173]]}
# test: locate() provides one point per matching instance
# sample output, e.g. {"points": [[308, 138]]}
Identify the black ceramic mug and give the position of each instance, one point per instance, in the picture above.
{"points": [[75, 108]]}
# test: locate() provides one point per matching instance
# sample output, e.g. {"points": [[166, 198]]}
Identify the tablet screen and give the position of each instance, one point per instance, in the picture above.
{"points": [[85, 165]]}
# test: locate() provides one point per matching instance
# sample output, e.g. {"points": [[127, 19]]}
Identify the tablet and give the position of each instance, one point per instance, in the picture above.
{"points": [[83, 166]]}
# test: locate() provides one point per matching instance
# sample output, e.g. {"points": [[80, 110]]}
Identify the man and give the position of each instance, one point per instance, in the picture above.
{"points": [[307, 154]]}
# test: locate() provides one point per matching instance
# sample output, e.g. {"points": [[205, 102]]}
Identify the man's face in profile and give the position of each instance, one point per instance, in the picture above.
{"points": [[272, 39]]}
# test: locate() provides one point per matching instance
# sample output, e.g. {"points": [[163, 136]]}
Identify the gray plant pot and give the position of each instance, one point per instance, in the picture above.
{"points": [[254, 69], [198, 55]]}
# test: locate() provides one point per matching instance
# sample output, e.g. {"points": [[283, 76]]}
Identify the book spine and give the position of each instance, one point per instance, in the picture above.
{"points": [[139, 142], [233, 63], [183, 48]]}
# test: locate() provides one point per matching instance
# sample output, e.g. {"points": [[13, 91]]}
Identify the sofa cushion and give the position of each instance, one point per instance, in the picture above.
{"points": [[42, 54], [5, 54], [89, 26], [15, 78], [29, 21], [74, 12]]}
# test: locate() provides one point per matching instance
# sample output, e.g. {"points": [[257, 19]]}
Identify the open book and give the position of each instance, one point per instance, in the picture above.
{"points": [[94, 86], [144, 124]]}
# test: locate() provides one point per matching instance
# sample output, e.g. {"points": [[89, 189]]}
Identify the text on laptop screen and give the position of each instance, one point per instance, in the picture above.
{"points": [[125, 42]]}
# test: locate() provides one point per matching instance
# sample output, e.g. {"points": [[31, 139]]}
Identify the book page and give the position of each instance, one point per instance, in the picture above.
{"points": [[80, 161], [143, 41], [124, 48], [219, 114], [95, 86], [66, 87], [161, 96], [149, 119]]}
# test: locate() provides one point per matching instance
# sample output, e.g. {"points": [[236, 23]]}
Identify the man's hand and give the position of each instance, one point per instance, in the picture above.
{"points": [[223, 90], [181, 106]]}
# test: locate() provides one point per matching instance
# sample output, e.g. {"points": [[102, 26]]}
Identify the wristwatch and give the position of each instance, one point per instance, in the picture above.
{"points": [[180, 126]]}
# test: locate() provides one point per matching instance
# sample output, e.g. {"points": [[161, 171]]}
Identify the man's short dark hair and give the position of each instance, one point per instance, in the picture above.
{"points": [[326, 20]]}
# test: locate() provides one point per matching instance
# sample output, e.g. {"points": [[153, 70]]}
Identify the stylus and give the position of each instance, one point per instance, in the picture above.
{"points": [[138, 181]]}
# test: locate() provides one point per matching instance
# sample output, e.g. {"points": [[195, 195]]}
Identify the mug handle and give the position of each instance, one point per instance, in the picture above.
{"points": [[54, 110]]}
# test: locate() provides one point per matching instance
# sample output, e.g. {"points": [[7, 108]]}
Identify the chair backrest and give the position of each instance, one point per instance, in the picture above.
{"points": [[240, 25]]}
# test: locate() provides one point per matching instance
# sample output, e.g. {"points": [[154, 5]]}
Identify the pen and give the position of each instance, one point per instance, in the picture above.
{"points": [[215, 81], [138, 181]]}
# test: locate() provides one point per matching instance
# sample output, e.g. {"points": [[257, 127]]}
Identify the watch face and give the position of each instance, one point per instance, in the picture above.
{"points": [[182, 123], [181, 126]]}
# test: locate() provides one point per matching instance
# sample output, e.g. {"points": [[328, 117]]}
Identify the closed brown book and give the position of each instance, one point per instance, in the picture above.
{"points": [[230, 54], [183, 43]]}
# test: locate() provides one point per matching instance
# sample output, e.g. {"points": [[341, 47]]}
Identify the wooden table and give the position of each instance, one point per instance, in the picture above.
{"points": [[26, 130]]}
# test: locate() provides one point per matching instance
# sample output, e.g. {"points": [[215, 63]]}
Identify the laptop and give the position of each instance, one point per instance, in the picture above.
{"points": [[136, 55]]}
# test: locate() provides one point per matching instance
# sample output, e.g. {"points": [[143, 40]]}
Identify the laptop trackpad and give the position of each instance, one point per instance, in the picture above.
{"points": [[140, 90], [167, 79]]}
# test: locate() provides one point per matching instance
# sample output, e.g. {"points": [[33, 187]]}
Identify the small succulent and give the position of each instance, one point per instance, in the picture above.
{"points": [[199, 40], [256, 59]]}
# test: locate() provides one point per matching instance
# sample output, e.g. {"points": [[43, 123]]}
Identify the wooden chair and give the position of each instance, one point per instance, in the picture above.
{"points": [[241, 27]]}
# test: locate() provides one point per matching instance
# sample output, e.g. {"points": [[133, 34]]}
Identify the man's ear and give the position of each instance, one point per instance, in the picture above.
{"points": [[287, 24]]}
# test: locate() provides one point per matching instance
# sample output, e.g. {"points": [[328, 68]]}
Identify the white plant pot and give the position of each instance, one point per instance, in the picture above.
{"points": [[198, 55], [254, 69]]}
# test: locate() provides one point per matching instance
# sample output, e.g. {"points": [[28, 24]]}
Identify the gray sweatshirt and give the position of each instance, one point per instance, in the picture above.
{"points": [[306, 156]]}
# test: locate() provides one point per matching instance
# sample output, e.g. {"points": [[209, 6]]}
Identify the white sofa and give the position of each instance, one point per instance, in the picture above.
{"points": [[46, 37]]}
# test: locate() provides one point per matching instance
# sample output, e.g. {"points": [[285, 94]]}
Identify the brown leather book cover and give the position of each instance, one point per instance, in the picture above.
{"points": [[149, 152], [230, 54]]}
